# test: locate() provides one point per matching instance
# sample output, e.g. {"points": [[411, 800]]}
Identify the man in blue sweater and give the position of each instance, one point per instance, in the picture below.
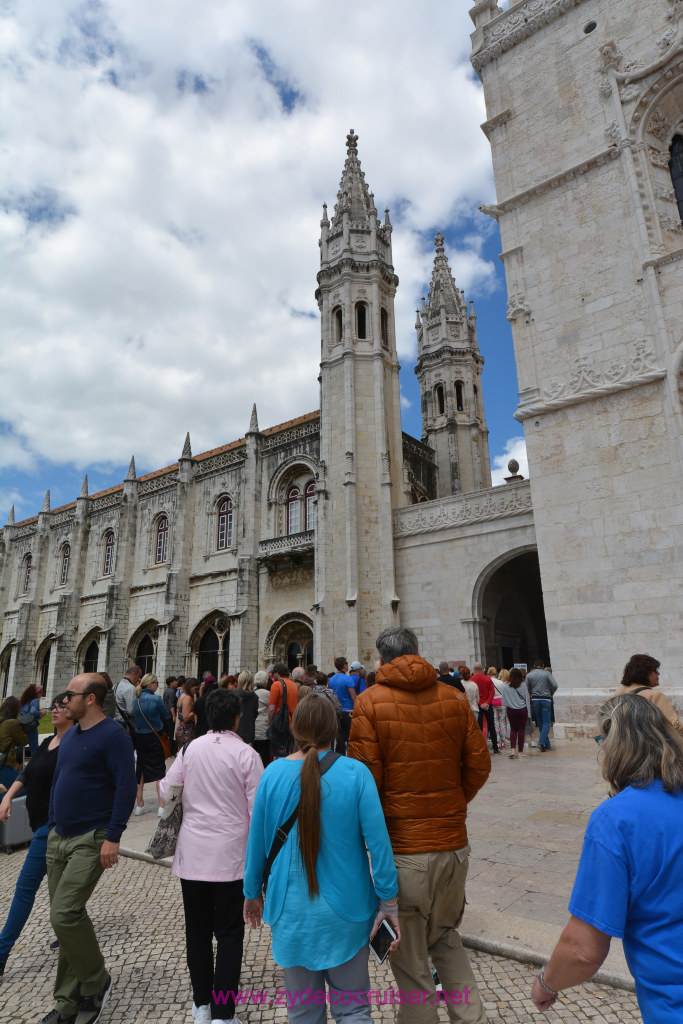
{"points": [[92, 796]]}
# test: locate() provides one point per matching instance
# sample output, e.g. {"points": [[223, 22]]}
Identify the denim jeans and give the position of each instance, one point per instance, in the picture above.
{"points": [[542, 709], [28, 883], [8, 775]]}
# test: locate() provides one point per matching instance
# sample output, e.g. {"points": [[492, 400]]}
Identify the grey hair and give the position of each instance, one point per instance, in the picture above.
{"points": [[640, 745], [261, 680], [298, 674], [444, 667], [395, 642], [245, 681]]}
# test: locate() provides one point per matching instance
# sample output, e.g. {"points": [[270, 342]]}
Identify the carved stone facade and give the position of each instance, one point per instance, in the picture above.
{"points": [[592, 239], [304, 539]]}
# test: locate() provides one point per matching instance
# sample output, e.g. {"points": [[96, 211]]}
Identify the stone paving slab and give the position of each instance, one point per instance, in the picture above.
{"points": [[137, 913]]}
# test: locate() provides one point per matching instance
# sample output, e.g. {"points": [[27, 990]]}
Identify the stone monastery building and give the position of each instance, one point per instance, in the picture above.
{"points": [[302, 541]]}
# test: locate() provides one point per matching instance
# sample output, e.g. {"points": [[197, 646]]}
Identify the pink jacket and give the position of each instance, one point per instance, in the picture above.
{"points": [[220, 774]]}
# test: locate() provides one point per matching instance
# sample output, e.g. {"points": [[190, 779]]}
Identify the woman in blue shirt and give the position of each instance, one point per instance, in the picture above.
{"points": [[322, 902], [150, 715], [628, 882]]}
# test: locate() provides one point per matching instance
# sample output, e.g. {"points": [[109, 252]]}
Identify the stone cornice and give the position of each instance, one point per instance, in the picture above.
{"points": [[517, 24], [463, 509], [488, 127], [586, 382], [663, 261], [550, 184]]}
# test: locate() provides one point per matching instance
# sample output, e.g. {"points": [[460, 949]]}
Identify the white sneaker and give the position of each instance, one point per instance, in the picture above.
{"points": [[142, 810], [231, 1020], [160, 811], [201, 1014]]}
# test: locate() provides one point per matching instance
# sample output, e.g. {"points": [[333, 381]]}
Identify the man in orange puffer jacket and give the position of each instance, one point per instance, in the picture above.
{"points": [[428, 757]]}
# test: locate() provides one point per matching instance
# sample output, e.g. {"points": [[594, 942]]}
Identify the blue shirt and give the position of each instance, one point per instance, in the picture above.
{"points": [[94, 784], [629, 885], [337, 923], [155, 710], [358, 683], [340, 684]]}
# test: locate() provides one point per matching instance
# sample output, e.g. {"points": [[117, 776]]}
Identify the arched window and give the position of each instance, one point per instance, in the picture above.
{"points": [[92, 656], [439, 398], [384, 326], [293, 510], [162, 540], [108, 564], [475, 392], [338, 324], [361, 321], [224, 537], [66, 558], [676, 168], [458, 396], [28, 562], [5, 673], [310, 505]]}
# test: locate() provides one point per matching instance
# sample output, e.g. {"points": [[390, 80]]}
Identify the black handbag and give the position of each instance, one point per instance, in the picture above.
{"points": [[283, 831]]}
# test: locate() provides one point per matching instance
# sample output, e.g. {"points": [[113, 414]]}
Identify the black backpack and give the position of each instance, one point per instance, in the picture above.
{"points": [[278, 732]]}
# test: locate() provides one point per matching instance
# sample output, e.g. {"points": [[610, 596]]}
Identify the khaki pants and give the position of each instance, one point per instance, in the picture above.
{"points": [[431, 894], [73, 871]]}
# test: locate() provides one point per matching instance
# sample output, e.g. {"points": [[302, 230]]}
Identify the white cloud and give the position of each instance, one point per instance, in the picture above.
{"points": [[162, 182], [515, 448]]}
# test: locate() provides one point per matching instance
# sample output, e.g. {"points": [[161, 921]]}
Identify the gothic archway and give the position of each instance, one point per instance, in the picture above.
{"points": [[508, 611], [210, 645], [88, 652], [290, 639], [142, 646]]}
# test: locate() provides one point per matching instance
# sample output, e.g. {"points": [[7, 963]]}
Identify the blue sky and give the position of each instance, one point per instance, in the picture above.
{"points": [[162, 185]]}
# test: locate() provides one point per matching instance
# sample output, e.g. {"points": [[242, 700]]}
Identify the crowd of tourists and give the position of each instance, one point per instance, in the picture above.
{"points": [[276, 821]]}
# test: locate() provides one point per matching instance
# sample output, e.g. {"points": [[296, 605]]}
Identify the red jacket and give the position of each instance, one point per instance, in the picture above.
{"points": [[487, 690], [426, 752]]}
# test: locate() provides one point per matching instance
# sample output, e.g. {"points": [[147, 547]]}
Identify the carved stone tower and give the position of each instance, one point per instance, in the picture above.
{"points": [[449, 371], [361, 444], [585, 119]]}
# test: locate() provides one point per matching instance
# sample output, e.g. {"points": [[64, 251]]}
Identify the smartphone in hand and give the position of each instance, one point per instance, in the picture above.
{"points": [[381, 941]]}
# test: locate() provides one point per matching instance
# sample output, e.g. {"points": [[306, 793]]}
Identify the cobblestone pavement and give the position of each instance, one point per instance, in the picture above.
{"points": [[137, 913]]}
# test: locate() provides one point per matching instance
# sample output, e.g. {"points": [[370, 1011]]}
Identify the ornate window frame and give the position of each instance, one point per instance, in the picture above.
{"points": [[361, 318], [26, 573], [299, 470], [337, 325], [108, 561], [64, 563], [225, 523], [161, 537]]}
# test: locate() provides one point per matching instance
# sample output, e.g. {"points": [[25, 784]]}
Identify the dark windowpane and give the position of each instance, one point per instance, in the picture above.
{"points": [[676, 166]]}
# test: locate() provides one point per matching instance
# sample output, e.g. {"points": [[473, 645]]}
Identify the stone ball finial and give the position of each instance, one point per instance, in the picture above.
{"points": [[513, 466]]}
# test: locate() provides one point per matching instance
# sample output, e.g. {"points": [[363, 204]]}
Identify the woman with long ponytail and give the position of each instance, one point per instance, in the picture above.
{"points": [[322, 902]]}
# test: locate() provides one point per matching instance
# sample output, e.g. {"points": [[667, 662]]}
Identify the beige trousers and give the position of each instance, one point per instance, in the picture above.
{"points": [[431, 893]]}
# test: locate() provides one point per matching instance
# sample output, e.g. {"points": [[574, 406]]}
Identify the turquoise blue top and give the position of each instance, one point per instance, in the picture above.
{"points": [[328, 930], [629, 885]]}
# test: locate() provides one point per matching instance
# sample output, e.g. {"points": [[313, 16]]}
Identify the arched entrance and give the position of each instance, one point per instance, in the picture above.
{"points": [[91, 657], [290, 639], [142, 647], [509, 611], [210, 645]]}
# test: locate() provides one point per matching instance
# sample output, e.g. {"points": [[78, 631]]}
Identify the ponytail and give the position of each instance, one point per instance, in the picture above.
{"points": [[138, 691], [314, 724]]}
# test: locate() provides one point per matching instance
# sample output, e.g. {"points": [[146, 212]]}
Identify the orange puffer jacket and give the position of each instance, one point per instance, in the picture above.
{"points": [[426, 752]]}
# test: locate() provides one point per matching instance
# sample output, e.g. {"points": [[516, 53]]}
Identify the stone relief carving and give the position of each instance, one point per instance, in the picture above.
{"points": [[26, 531], [418, 450], [588, 380], [517, 306], [289, 578], [59, 518], [658, 159], [517, 24], [106, 501], [658, 125], [613, 133], [462, 509], [300, 625], [672, 224]]}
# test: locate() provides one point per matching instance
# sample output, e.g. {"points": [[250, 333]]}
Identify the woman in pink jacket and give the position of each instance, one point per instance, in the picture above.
{"points": [[219, 773]]}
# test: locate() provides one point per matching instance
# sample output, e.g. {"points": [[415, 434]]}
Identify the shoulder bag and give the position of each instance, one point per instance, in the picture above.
{"points": [[283, 831], [161, 736], [165, 838]]}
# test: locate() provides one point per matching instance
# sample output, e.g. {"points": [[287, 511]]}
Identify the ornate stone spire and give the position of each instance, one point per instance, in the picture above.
{"points": [[187, 447], [253, 423], [353, 196], [10, 517], [46, 501], [443, 292], [84, 487], [131, 469]]}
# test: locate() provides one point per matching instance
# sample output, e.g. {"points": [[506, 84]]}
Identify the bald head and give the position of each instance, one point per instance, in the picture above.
{"points": [[478, 667], [88, 683]]}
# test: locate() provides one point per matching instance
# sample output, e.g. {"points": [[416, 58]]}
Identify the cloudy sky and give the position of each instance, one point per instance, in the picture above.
{"points": [[163, 170]]}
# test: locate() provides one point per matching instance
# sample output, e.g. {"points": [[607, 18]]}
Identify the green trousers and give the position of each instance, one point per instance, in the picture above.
{"points": [[73, 871], [431, 902]]}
